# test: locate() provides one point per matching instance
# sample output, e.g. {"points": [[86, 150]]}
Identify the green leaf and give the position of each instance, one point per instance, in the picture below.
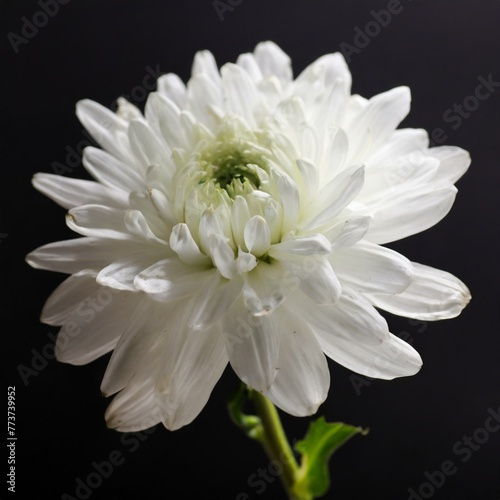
{"points": [[316, 448], [250, 424]]}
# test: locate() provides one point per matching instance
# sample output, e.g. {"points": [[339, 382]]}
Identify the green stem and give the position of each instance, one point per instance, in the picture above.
{"points": [[276, 444]]}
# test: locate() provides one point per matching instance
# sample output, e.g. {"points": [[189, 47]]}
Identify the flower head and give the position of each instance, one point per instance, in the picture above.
{"points": [[240, 220]]}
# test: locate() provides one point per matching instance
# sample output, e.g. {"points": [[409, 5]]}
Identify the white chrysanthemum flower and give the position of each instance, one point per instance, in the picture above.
{"points": [[241, 219]]}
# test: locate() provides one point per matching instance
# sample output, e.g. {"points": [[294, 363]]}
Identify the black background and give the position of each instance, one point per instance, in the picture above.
{"points": [[101, 50]]}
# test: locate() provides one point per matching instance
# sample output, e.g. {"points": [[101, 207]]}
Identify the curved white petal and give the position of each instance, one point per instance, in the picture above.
{"points": [[409, 213], [303, 379], [134, 408], [453, 162], [110, 171], [71, 256], [204, 64], [340, 191], [273, 61], [433, 295], [144, 326], [240, 93], [348, 232], [378, 119], [213, 301], [252, 344], [388, 360], [352, 317], [315, 244], [67, 296], [120, 274], [257, 235], [192, 364], [172, 87], [70, 193], [107, 128], [183, 244], [367, 267], [262, 291], [96, 325], [99, 221]]}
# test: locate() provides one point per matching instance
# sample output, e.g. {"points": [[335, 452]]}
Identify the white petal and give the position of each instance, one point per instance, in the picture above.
{"points": [[140, 331], [310, 180], [183, 244], [316, 279], [249, 64], [315, 244], [146, 146], [262, 292], [110, 171], [273, 61], [338, 193], [165, 117], [324, 72], [213, 302], [335, 67], [257, 235], [240, 92], [252, 344], [120, 274], [171, 279], [98, 221], [204, 98], [347, 233], [134, 408], [204, 63], [433, 295], [155, 278], [290, 201], [67, 296], [245, 261], [222, 256], [454, 162], [172, 87], [352, 317], [400, 143], [137, 225], [192, 364], [388, 360], [71, 193], [379, 118], [409, 213], [107, 128], [210, 225], [71, 256], [303, 378], [367, 267], [96, 325], [240, 214]]}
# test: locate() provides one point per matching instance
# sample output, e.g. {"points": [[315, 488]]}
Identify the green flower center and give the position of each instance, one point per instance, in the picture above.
{"points": [[233, 165]]}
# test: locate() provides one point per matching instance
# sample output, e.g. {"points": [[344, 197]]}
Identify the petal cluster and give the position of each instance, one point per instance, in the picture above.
{"points": [[240, 220]]}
